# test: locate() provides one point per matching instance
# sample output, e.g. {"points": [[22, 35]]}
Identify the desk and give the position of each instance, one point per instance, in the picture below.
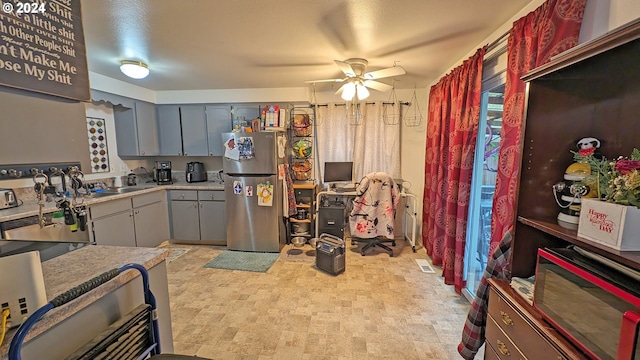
{"points": [[410, 211]]}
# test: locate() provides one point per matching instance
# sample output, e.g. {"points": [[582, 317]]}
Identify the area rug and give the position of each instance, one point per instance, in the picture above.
{"points": [[176, 253], [243, 260]]}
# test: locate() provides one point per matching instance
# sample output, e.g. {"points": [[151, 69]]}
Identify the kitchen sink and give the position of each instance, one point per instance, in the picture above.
{"points": [[123, 190], [99, 195]]}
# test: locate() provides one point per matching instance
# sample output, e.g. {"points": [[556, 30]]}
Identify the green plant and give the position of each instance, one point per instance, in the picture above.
{"points": [[618, 181]]}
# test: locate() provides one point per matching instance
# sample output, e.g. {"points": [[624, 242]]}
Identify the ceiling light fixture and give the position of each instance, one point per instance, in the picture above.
{"points": [[134, 69], [354, 89]]}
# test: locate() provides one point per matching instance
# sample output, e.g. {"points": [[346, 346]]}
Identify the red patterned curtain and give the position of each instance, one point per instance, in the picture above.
{"points": [[454, 112], [547, 31]]}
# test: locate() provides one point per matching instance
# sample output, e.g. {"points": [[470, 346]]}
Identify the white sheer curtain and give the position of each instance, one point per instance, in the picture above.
{"points": [[371, 144]]}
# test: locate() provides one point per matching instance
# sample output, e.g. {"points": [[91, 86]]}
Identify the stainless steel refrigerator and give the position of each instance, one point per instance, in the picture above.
{"points": [[253, 192]]}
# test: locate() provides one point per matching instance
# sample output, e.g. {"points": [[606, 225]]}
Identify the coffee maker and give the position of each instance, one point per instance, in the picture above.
{"points": [[163, 172]]}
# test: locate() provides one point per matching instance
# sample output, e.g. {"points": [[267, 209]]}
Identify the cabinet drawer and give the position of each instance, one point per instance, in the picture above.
{"points": [[183, 195], [518, 329], [150, 198], [110, 207], [489, 353], [498, 340], [212, 195]]}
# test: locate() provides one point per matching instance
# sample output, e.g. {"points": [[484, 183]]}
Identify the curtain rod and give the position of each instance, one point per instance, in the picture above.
{"points": [[497, 41], [367, 103]]}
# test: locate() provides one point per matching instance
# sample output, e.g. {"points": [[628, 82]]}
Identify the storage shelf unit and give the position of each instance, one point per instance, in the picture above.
{"points": [[305, 135], [305, 193]]}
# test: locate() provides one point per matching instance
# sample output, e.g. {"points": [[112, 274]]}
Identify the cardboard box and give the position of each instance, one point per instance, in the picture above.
{"points": [[609, 224]]}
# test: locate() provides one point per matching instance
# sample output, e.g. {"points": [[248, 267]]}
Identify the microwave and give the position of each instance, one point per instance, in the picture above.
{"points": [[593, 301]]}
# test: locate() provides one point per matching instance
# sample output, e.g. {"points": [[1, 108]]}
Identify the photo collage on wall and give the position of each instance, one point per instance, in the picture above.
{"points": [[98, 153]]}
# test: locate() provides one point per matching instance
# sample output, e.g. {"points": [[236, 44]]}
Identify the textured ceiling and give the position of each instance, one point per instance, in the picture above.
{"points": [[235, 44]]}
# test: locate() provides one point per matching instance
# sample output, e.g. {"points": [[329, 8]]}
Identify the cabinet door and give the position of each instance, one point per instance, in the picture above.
{"points": [[147, 126], [116, 230], [126, 131], [194, 131], [246, 112], [150, 224], [169, 130], [213, 221], [218, 122], [185, 221]]}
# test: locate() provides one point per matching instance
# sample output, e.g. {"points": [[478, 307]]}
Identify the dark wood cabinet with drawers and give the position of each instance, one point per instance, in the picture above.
{"points": [[515, 331], [592, 90]]}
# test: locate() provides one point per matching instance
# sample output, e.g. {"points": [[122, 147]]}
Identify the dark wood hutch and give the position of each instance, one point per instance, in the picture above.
{"points": [[593, 90]]}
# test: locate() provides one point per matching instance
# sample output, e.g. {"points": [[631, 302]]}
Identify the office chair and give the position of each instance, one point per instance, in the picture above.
{"points": [[372, 218]]}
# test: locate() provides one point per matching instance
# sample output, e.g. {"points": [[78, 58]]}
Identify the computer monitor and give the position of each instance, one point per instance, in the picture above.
{"points": [[338, 172]]}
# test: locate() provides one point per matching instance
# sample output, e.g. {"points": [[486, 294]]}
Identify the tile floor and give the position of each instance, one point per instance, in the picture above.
{"points": [[381, 307]]}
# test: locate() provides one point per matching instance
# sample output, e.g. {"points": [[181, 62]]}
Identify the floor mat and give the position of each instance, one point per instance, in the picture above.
{"points": [[243, 260]]}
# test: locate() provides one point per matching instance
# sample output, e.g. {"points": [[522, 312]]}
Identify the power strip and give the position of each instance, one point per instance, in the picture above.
{"points": [[22, 286]]}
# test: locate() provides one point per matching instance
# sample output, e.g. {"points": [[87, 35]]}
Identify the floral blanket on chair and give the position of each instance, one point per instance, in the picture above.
{"points": [[374, 207]]}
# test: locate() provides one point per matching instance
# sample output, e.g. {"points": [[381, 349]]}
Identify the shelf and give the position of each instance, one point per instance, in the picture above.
{"points": [[627, 258], [299, 221], [304, 206]]}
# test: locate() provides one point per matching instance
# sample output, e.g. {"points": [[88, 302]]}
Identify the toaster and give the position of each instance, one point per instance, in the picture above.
{"points": [[8, 199]]}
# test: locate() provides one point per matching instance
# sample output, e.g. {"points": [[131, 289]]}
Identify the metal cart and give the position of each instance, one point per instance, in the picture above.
{"points": [[134, 336]]}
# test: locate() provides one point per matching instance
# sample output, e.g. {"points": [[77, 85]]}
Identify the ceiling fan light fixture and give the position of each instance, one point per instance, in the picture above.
{"points": [[134, 69], [362, 92], [349, 90]]}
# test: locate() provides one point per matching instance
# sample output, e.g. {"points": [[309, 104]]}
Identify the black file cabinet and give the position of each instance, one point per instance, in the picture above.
{"points": [[331, 220]]}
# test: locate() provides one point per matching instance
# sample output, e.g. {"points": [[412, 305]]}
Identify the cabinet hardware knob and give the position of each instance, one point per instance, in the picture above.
{"points": [[506, 319], [502, 348]]}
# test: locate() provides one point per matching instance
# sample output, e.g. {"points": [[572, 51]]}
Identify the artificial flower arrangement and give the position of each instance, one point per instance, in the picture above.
{"points": [[617, 181]]}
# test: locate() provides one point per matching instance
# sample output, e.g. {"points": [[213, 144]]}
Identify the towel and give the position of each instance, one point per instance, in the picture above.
{"points": [[288, 195]]}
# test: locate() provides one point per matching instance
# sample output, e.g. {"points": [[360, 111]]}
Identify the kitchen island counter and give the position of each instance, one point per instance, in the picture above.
{"points": [[67, 327]]}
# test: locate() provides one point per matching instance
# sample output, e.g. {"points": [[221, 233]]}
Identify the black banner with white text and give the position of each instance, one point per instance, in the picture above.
{"points": [[42, 48]]}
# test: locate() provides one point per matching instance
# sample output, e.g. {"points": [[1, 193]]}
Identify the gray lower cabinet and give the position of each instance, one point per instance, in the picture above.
{"points": [[112, 223], [151, 224], [198, 217], [136, 221], [213, 217], [185, 220]]}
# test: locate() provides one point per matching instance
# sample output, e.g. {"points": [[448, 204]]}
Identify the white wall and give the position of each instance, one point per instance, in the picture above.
{"points": [[600, 17]]}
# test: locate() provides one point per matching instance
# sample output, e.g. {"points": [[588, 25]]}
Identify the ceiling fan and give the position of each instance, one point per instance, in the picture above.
{"points": [[357, 80]]}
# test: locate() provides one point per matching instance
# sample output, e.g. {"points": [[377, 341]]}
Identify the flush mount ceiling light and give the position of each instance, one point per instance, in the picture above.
{"points": [[134, 69]]}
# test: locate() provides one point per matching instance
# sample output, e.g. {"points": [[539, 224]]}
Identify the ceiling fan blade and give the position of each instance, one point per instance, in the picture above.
{"points": [[376, 85], [325, 80], [341, 89], [346, 68], [388, 72]]}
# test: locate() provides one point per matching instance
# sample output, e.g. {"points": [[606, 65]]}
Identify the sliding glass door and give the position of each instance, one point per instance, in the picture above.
{"points": [[483, 185]]}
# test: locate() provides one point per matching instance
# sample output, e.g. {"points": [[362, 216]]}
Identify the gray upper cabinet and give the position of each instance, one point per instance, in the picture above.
{"points": [[169, 130], [182, 130], [194, 130], [218, 122], [137, 129]]}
